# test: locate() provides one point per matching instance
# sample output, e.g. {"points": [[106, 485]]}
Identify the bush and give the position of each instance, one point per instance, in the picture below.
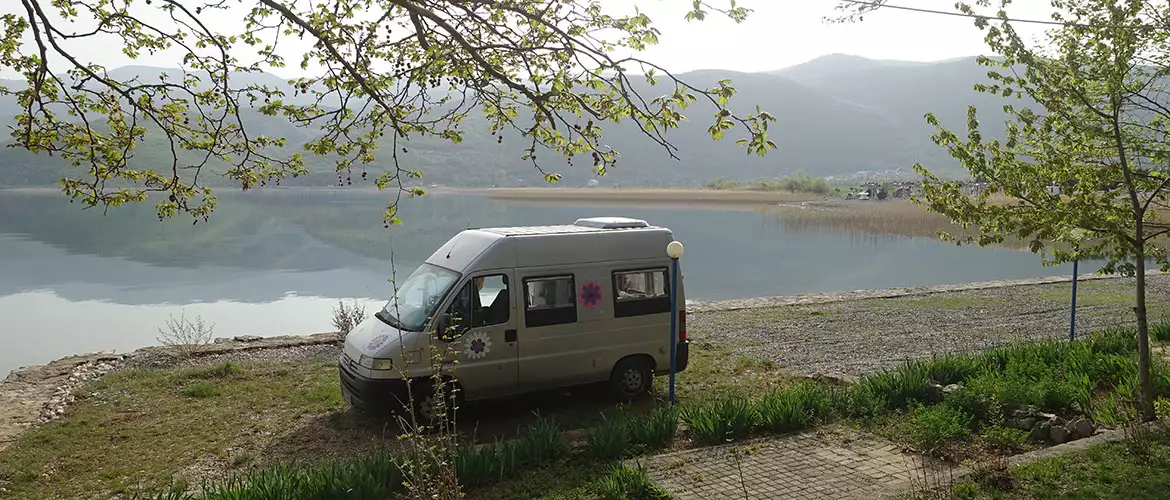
{"points": [[720, 420], [857, 401], [932, 427], [656, 430], [346, 317], [201, 389], [1005, 439], [186, 337], [981, 406], [611, 439], [795, 407], [626, 483]]}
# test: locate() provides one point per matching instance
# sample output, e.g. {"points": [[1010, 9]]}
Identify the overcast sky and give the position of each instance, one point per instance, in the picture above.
{"points": [[778, 34]]}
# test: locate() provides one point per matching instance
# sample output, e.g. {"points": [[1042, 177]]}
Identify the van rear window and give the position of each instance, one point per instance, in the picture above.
{"points": [[550, 301], [640, 292]]}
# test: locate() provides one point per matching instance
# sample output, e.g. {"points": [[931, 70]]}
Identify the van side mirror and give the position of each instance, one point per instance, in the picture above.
{"points": [[443, 326]]}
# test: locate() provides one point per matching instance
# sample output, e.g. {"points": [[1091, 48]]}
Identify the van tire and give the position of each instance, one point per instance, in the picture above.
{"points": [[425, 407], [631, 379]]}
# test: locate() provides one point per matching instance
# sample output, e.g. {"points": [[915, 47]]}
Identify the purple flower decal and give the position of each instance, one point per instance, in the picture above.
{"points": [[377, 342], [590, 295]]}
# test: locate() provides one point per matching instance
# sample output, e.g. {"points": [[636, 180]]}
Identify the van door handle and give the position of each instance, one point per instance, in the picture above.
{"points": [[509, 335]]}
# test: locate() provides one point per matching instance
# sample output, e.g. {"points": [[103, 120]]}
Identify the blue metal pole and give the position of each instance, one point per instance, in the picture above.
{"points": [[673, 322], [1072, 322]]}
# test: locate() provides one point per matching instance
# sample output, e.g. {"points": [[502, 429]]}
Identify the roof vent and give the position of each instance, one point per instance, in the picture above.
{"points": [[611, 223]]}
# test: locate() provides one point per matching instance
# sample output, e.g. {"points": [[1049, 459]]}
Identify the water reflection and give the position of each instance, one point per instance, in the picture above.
{"points": [[275, 262]]}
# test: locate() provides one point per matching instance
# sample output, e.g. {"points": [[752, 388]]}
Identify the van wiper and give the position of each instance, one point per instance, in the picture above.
{"points": [[385, 317]]}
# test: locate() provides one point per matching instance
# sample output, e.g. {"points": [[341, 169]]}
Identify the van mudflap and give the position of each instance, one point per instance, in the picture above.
{"points": [[682, 355]]}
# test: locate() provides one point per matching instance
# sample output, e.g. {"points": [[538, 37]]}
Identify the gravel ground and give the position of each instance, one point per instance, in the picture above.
{"points": [[860, 336], [161, 360]]}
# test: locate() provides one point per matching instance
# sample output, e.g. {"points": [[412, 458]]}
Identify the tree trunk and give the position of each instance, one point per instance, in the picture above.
{"points": [[1143, 327]]}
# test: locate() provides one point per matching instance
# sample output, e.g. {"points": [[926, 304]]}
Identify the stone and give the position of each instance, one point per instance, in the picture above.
{"points": [[221, 340], [1058, 434], [1082, 428], [247, 338], [934, 393], [1023, 424], [950, 388], [1040, 431], [1021, 413]]}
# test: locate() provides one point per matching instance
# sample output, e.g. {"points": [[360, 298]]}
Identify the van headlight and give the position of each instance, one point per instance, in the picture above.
{"points": [[376, 363]]}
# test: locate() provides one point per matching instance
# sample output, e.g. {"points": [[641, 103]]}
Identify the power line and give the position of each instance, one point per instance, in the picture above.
{"points": [[958, 14]]}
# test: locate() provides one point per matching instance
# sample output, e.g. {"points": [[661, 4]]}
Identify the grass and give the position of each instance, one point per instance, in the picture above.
{"points": [[1094, 294], [1105, 471], [713, 371], [720, 420], [141, 427]]}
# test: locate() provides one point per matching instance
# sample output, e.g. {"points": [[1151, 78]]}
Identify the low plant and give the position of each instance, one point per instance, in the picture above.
{"points": [[477, 466], [899, 387], [348, 316], [1004, 440], [628, 483], [796, 407], [720, 420], [951, 368], [933, 427], [1160, 331], [200, 389], [1162, 408], [611, 439], [186, 337], [656, 430], [542, 442]]}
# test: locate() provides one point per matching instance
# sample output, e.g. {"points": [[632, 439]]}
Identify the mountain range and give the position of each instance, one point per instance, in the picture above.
{"points": [[837, 116]]}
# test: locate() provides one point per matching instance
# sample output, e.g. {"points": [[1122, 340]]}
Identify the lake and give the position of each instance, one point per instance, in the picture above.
{"points": [[276, 262]]}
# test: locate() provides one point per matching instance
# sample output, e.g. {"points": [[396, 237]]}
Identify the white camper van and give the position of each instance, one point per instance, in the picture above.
{"points": [[523, 309]]}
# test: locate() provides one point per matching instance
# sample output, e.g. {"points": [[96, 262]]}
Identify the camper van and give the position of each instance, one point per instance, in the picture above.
{"points": [[512, 310]]}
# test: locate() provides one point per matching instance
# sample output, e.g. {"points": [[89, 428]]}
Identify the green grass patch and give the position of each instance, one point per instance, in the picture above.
{"points": [[1105, 471], [200, 389], [797, 407], [720, 420], [1091, 294]]}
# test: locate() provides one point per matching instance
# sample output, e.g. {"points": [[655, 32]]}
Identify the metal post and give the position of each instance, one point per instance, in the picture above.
{"points": [[673, 322], [1072, 322]]}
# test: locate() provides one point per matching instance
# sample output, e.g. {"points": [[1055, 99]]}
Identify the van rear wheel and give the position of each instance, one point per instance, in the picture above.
{"points": [[631, 379]]}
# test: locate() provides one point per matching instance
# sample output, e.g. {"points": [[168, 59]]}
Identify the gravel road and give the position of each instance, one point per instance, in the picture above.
{"points": [[860, 336]]}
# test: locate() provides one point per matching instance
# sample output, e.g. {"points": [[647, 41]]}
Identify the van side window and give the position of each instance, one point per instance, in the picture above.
{"points": [[550, 301], [483, 301], [640, 292]]}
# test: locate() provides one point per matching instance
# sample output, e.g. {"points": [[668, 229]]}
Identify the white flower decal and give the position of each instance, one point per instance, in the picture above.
{"points": [[479, 344]]}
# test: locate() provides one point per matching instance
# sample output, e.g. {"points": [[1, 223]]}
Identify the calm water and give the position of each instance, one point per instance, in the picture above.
{"points": [[276, 262]]}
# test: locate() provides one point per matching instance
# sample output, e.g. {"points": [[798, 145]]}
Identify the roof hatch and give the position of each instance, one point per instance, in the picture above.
{"points": [[611, 223]]}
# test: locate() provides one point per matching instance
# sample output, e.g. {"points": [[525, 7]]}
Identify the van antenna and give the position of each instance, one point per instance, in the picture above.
{"points": [[452, 249]]}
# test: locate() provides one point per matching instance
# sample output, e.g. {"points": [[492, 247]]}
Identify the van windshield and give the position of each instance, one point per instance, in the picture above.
{"points": [[417, 297]]}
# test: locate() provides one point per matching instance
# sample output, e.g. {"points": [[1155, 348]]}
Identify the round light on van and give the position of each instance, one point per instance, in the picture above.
{"points": [[674, 249]]}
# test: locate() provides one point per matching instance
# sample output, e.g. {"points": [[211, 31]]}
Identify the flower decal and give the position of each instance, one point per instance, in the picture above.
{"points": [[479, 344], [590, 295], [377, 342]]}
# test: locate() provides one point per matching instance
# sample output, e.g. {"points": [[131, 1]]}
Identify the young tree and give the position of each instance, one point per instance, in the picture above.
{"points": [[551, 71], [1099, 89]]}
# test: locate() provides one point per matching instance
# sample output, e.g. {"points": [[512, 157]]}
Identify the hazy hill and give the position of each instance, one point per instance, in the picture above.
{"points": [[836, 115]]}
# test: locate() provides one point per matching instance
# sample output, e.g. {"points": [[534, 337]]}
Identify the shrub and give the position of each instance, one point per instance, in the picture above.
{"points": [[1005, 439], [932, 427], [795, 407], [626, 483], [857, 401], [185, 337], [611, 439], [1116, 340], [201, 389], [656, 430], [979, 405], [348, 316], [720, 420]]}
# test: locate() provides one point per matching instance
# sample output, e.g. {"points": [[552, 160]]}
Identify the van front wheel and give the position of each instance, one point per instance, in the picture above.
{"points": [[631, 379]]}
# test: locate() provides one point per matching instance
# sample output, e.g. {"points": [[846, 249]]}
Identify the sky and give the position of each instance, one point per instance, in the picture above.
{"points": [[777, 34]]}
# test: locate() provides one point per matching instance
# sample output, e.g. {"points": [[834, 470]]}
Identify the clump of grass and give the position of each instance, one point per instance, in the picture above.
{"points": [[657, 429], [795, 407], [627, 483], [611, 439], [932, 427], [219, 370], [1004, 439], [720, 420], [372, 477], [952, 368], [1160, 331], [542, 442], [480, 466], [900, 386], [200, 389]]}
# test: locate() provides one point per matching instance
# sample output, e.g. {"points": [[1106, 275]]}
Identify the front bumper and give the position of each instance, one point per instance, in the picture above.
{"points": [[377, 396]]}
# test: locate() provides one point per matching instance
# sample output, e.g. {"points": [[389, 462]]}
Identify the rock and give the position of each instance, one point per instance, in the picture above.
{"points": [[934, 393], [1021, 413], [247, 338], [1023, 424], [1082, 428], [950, 388], [1058, 434], [1040, 431], [221, 340]]}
